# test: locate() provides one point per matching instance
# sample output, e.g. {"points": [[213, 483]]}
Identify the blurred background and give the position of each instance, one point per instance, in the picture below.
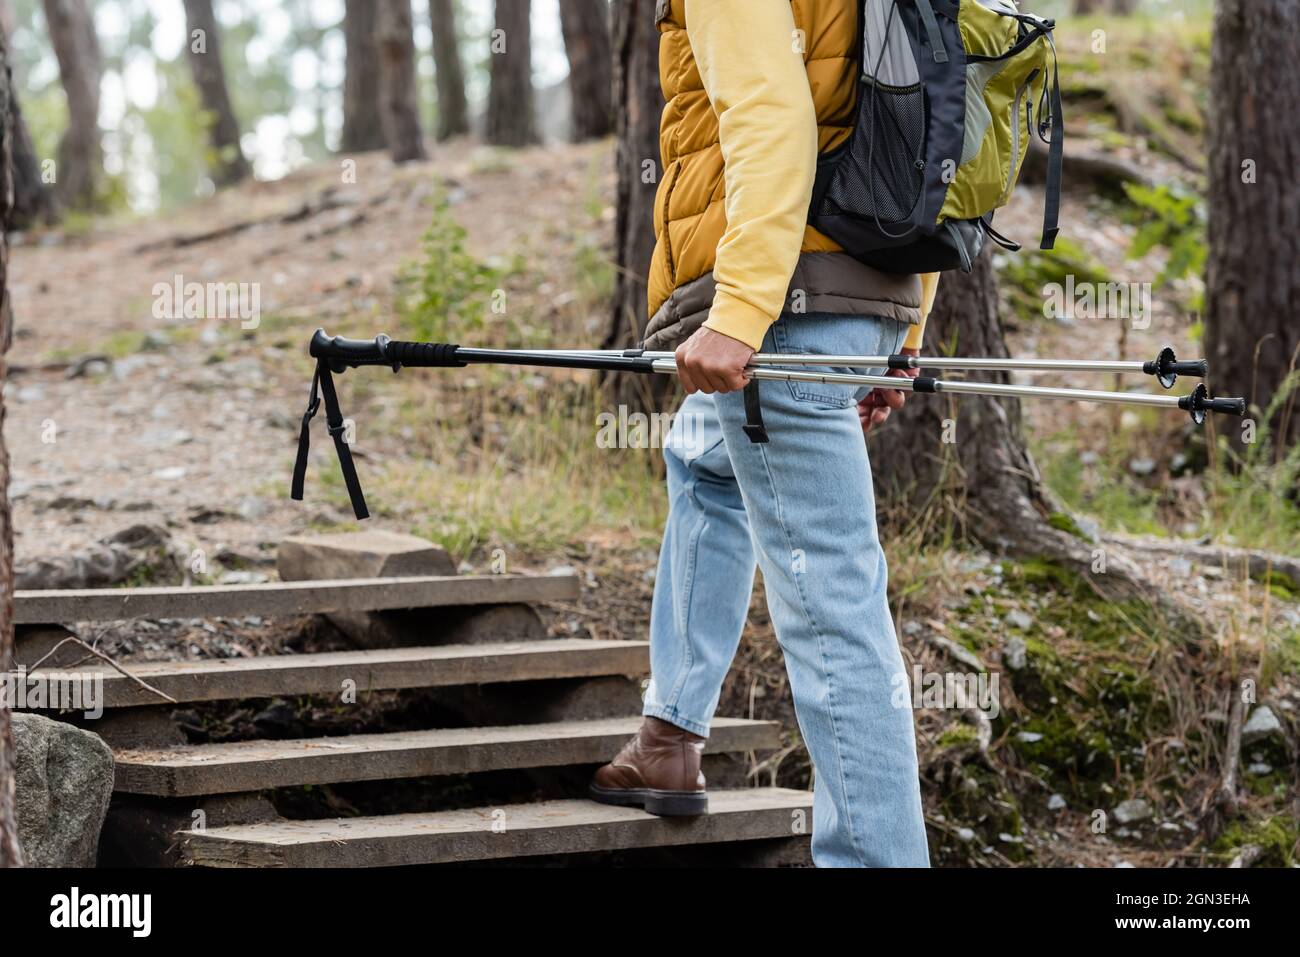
{"points": [[483, 172]]}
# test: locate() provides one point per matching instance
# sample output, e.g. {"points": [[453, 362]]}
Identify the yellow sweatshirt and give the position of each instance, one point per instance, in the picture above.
{"points": [[756, 80]]}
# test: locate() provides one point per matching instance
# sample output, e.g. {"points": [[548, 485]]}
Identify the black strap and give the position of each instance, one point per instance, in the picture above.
{"points": [[986, 223], [931, 30], [1055, 159], [304, 438], [322, 388], [754, 427]]}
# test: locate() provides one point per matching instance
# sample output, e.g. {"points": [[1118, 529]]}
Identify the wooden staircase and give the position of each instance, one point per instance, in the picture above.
{"points": [[561, 707]]}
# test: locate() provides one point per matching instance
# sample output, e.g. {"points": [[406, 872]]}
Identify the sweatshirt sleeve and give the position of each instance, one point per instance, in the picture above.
{"points": [[929, 289], [755, 77]]}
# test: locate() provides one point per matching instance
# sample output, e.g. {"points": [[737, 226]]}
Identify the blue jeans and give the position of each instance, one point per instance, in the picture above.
{"points": [[803, 509]]}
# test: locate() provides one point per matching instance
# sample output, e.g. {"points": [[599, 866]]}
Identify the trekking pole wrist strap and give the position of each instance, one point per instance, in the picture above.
{"points": [[323, 392]]}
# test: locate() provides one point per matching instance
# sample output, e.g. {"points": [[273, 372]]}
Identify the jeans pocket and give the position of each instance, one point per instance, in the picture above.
{"points": [[830, 336]]}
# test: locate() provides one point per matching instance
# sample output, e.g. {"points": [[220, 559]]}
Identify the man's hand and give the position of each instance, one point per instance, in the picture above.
{"points": [[710, 362], [879, 403]]}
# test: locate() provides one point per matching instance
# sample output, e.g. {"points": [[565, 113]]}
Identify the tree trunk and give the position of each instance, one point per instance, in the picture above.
{"points": [[33, 201], [586, 42], [81, 154], [1085, 7], [398, 99], [510, 120], [964, 458], [228, 162], [1253, 269], [11, 854], [640, 104], [1125, 7], [362, 127], [453, 109]]}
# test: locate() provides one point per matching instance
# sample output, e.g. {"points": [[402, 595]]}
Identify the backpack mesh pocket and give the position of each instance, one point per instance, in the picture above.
{"points": [[881, 175]]}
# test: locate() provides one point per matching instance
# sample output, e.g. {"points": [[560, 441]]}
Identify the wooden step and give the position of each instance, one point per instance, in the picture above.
{"points": [[61, 606], [224, 679], [478, 834], [258, 765]]}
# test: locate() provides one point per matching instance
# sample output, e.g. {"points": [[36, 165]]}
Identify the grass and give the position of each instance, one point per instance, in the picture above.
{"points": [[527, 473], [1245, 497], [1103, 488]]}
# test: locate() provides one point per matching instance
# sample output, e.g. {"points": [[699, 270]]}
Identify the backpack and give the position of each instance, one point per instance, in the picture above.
{"points": [[946, 107]]}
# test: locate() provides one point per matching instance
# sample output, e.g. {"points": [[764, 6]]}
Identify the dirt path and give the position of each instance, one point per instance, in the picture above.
{"points": [[193, 423]]}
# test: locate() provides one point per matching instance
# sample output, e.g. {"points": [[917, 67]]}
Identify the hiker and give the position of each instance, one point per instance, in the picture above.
{"points": [[755, 89]]}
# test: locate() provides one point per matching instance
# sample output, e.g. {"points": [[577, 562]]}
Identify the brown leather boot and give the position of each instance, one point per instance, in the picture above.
{"points": [[658, 770]]}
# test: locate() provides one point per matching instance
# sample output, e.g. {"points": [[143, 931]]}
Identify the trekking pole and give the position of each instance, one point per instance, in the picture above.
{"points": [[337, 355], [1166, 367]]}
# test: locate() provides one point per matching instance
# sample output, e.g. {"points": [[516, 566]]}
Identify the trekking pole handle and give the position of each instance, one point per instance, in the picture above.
{"points": [[1167, 368], [343, 353], [1200, 402]]}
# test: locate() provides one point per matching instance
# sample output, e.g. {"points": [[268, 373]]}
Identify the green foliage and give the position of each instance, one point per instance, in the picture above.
{"points": [[1103, 488], [1277, 837], [449, 289], [1087, 695], [1252, 494], [1027, 273], [1173, 218]]}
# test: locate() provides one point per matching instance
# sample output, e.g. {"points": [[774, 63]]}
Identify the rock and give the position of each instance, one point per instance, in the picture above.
{"points": [[241, 558], [89, 366], [1029, 737], [1015, 654], [368, 554], [69, 503], [1263, 723], [1259, 769], [380, 554], [1142, 466], [1133, 811], [1019, 619], [1246, 855], [64, 782], [111, 562], [243, 577], [251, 508], [1090, 528], [1056, 803], [965, 834], [166, 438], [124, 367]]}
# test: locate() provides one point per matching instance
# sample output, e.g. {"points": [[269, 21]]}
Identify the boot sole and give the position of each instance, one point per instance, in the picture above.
{"points": [[661, 803]]}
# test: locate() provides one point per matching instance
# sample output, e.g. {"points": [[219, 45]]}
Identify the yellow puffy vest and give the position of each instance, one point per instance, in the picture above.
{"points": [[690, 216]]}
